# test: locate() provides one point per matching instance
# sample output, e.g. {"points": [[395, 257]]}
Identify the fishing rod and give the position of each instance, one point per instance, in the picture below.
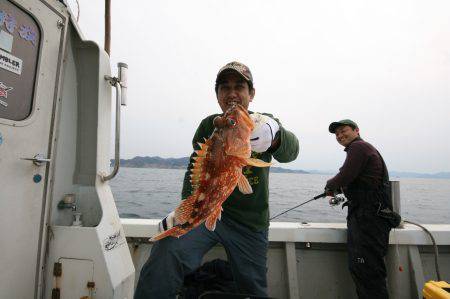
{"points": [[303, 203], [336, 199]]}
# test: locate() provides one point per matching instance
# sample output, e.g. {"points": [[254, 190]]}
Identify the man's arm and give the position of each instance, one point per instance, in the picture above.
{"points": [[353, 165], [285, 146]]}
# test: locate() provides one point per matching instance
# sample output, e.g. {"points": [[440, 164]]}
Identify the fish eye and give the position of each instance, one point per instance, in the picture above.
{"points": [[231, 122]]}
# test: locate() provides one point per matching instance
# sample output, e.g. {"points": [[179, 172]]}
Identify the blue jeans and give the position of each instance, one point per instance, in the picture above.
{"points": [[173, 258]]}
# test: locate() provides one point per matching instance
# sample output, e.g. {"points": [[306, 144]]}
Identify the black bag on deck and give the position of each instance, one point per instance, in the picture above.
{"points": [[215, 275]]}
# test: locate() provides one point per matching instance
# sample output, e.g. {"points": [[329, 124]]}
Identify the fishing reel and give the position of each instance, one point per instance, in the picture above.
{"points": [[337, 198]]}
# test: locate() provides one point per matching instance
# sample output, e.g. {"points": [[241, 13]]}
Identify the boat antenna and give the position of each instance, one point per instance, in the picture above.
{"points": [[303, 203], [78, 10], [108, 27]]}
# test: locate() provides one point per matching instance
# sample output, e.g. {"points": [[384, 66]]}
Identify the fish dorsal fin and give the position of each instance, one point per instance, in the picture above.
{"points": [[212, 219], [203, 148], [257, 162], [244, 185], [197, 166]]}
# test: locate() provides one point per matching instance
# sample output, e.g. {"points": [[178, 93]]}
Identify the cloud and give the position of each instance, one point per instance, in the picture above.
{"points": [[385, 64]]}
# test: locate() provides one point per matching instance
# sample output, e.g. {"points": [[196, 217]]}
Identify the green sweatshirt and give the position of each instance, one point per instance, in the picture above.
{"points": [[251, 210]]}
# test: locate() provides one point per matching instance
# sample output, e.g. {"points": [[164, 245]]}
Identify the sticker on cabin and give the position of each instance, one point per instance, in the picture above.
{"points": [[9, 21], [4, 93], [6, 41], [28, 34], [112, 241], [10, 63]]}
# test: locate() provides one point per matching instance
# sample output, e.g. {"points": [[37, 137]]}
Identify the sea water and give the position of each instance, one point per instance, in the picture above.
{"points": [[153, 193]]}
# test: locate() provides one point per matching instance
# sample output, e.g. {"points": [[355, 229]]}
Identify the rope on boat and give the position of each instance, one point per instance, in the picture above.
{"points": [[436, 251]]}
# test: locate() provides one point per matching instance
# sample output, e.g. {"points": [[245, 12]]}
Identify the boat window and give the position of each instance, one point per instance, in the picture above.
{"points": [[19, 50]]}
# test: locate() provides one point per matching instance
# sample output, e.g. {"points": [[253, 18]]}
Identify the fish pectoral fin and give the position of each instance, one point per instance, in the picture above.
{"points": [[212, 219], [244, 185], [257, 162]]}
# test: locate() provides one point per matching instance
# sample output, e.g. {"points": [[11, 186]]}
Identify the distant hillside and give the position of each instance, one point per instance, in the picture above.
{"points": [[181, 163], [403, 174], [154, 162], [285, 170], [176, 163]]}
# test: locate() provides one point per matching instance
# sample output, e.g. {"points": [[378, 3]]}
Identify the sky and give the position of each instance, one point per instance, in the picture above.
{"points": [[384, 64]]}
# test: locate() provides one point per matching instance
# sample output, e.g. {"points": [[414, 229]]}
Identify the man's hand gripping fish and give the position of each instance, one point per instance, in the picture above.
{"points": [[216, 172]]}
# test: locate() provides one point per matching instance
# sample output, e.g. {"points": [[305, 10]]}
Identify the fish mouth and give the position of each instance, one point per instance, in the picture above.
{"points": [[246, 116]]}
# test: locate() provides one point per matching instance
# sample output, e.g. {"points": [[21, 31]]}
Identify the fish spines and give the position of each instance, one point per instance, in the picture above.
{"points": [[203, 149], [197, 170]]}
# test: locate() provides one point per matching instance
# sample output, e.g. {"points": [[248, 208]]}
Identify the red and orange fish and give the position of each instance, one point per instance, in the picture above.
{"points": [[216, 172]]}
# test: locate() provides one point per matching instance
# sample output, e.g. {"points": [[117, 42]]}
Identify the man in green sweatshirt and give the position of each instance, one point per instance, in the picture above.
{"points": [[243, 229]]}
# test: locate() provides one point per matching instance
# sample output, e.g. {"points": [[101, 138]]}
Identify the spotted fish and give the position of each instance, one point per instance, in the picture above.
{"points": [[216, 172]]}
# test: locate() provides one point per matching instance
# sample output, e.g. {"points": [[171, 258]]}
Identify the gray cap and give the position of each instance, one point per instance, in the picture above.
{"points": [[345, 122], [237, 67]]}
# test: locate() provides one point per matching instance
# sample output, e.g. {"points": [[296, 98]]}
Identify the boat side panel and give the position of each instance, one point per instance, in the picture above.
{"points": [[83, 140], [320, 261]]}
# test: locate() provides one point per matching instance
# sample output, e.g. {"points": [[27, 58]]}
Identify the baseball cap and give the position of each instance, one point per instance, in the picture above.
{"points": [[345, 122], [238, 67]]}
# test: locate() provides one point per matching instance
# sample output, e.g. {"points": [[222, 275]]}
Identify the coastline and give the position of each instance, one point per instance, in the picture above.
{"points": [[157, 162]]}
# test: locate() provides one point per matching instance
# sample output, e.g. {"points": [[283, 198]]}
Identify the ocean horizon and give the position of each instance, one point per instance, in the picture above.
{"points": [[158, 162]]}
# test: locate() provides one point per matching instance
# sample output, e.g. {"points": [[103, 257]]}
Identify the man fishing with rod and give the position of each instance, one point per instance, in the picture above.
{"points": [[364, 180]]}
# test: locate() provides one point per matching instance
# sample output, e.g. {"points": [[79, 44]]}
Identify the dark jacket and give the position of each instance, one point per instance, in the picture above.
{"points": [[362, 169]]}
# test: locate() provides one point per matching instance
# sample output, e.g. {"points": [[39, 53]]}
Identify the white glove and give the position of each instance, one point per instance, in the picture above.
{"points": [[263, 133], [167, 223]]}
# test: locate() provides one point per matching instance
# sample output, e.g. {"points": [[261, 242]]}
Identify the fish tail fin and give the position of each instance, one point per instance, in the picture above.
{"points": [[175, 231]]}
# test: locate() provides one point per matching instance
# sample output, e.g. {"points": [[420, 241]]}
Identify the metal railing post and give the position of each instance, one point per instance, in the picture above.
{"points": [[117, 137], [395, 196]]}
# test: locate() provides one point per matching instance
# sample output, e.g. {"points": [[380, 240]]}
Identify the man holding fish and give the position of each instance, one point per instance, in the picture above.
{"points": [[225, 194]]}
